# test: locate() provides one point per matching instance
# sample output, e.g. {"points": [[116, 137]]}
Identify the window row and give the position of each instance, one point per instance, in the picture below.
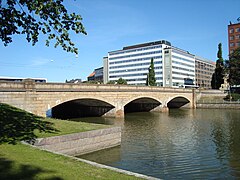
{"points": [[185, 74], [237, 44], [134, 55], [133, 65], [135, 60], [201, 64], [199, 72], [184, 64], [234, 37], [132, 70], [236, 30], [177, 78], [142, 79], [184, 69], [183, 59], [131, 75], [135, 50], [209, 76], [205, 69]]}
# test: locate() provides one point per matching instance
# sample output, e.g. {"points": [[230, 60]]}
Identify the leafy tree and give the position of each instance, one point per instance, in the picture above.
{"points": [[218, 75], [121, 81], [39, 16], [234, 67], [18, 125], [151, 80]]}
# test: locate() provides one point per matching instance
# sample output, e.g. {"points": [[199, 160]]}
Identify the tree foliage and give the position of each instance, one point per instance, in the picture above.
{"points": [[218, 75], [151, 80], [18, 125], [121, 81], [234, 67], [31, 18]]}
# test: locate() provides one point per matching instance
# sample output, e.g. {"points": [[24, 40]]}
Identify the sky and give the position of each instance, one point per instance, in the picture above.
{"points": [[197, 26]]}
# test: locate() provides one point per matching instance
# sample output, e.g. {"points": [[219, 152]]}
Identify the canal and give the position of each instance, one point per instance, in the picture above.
{"points": [[181, 144]]}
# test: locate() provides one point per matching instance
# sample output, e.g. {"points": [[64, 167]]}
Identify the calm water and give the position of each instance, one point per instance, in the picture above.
{"points": [[182, 144]]}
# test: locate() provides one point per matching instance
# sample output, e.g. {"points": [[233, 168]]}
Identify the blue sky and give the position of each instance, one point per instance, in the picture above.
{"points": [[193, 25]]}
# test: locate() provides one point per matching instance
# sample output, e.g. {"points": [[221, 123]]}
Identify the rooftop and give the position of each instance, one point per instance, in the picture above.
{"points": [[147, 44]]}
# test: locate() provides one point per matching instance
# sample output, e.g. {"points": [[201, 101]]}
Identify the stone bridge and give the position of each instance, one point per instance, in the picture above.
{"points": [[81, 100]]}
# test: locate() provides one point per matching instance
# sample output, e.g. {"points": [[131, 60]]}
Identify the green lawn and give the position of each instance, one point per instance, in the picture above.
{"points": [[69, 127], [25, 162]]}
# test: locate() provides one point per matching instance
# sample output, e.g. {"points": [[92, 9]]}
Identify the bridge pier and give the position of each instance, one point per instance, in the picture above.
{"points": [[160, 108], [116, 113]]}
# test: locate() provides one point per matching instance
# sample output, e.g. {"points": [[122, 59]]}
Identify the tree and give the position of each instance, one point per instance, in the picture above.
{"points": [[121, 81], [234, 67], [39, 16], [151, 80], [218, 75], [18, 125]]}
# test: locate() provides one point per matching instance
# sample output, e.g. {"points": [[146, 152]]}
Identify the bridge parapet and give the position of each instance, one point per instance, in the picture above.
{"points": [[29, 85]]}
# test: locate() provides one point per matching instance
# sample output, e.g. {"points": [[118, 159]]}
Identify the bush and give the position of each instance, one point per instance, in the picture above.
{"points": [[234, 97]]}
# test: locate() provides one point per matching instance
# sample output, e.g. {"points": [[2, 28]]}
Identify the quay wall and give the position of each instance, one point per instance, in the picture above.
{"points": [[82, 143], [218, 106]]}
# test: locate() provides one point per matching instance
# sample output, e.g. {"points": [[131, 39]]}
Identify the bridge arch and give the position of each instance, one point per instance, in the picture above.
{"points": [[81, 107], [141, 104], [178, 101]]}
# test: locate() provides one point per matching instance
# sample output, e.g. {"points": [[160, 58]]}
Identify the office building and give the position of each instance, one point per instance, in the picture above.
{"points": [[203, 72], [173, 66], [233, 36], [96, 75]]}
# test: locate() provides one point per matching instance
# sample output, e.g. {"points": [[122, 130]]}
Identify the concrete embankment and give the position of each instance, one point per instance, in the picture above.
{"points": [[218, 105], [214, 99], [82, 143]]}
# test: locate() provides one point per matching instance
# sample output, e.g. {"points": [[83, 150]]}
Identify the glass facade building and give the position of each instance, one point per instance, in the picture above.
{"points": [[172, 65]]}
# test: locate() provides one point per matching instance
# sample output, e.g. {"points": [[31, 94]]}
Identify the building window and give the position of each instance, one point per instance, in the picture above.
{"points": [[231, 44], [238, 44], [231, 30], [237, 29], [231, 38], [238, 36]]}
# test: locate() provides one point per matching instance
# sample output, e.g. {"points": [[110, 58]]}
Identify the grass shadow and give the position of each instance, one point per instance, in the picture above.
{"points": [[10, 170]]}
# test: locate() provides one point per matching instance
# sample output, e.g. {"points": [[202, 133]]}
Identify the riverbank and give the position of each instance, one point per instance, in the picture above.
{"points": [[215, 99], [26, 162]]}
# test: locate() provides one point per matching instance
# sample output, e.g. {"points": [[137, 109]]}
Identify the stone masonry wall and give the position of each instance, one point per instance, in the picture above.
{"points": [[82, 143]]}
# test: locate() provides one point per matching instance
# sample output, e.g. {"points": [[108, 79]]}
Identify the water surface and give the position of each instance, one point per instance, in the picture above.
{"points": [[186, 144]]}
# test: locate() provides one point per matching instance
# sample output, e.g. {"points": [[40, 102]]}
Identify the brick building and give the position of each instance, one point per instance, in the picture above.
{"points": [[233, 36]]}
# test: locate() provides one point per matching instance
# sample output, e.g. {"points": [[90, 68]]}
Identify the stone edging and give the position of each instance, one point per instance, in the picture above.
{"points": [[99, 165], [82, 143]]}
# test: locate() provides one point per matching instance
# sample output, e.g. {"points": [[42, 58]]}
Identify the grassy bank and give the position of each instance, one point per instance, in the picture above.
{"points": [[24, 162], [69, 127], [15, 122]]}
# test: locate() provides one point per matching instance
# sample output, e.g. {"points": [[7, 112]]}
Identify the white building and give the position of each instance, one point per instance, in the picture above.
{"points": [[172, 65]]}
